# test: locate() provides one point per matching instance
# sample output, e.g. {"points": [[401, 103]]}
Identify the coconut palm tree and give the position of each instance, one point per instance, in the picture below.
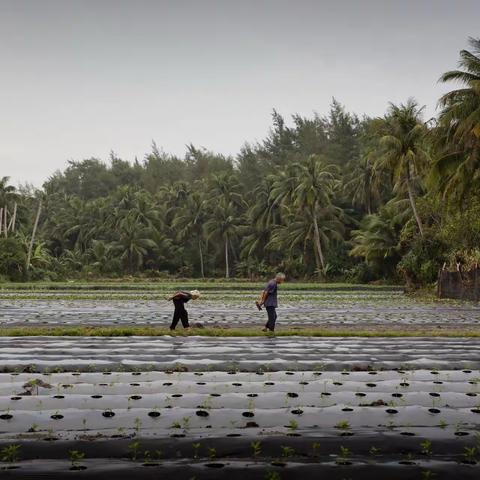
{"points": [[403, 149], [458, 167], [224, 225]]}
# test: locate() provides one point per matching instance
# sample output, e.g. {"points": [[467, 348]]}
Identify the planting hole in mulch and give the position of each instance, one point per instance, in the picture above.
{"points": [[397, 395], [107, 373], [237, 384], [96, 396], [154, 414], [292, 394], [135, 397], [78, 468], [59, 396], [338, 384], [461, 434], [404, 384], [15, 398], [406, 462], [201, 383], [371, 385], [346, 434], [289, 373], [56, 416], [325, 394], [469, 462], [248, 414], [303, 383], [108, 414], [471, 394], [298, 411], [434, 394], [434, 410], [102, 384], [290, 434], [215, 465], [215, 395], [252, 395], [475, 410], [202, 413], [50, 439], [167, 384], [136, 373], [177, 395], [438, 382], [269, 383], [343, 462], [150, 464], [178, 435], [233, 435], [317, 374], [6, 416], [278, 464], [360, 394], [407, 434], [251, 425]]}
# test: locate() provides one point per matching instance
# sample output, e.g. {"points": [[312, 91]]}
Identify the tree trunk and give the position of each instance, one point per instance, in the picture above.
{"points": [[201, 258], [318, 244], [414, 206], [227, 266], [35, 225]]}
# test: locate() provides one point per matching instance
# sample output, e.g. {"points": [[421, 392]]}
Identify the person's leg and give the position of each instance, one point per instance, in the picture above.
{"points": [[272, 316], [184, 318], [175, 319]]}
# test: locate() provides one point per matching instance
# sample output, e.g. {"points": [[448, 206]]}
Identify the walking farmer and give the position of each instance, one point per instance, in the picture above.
{"points": [[268, 299], [179, 300]]}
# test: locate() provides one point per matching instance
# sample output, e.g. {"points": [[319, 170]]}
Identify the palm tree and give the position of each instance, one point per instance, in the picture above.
{"points": [[7, 191], [224, 224], [403, 152], [189, 221], [459, 165]]}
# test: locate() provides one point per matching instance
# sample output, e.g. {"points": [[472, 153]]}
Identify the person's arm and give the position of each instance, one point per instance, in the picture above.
{"points": [[178, 295], [266, 292]]}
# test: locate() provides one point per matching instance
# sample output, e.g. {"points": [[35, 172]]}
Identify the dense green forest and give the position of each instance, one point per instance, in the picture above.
{"points": [[335, 196]]}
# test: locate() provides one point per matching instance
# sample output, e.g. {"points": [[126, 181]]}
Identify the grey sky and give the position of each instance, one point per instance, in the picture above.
{"points": [[80, 78]]}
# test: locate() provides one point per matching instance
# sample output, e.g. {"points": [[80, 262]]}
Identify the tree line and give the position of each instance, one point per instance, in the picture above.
{"points": [[333, 196]]}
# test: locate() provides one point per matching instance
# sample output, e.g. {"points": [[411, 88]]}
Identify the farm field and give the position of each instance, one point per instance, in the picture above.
{"points": [[270, 407]]}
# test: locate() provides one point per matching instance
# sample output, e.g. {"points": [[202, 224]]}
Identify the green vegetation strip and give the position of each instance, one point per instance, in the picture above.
{"points": [[219, 332]]}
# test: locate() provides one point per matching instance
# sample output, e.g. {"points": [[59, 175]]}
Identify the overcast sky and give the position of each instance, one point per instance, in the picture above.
{"points": [[79, 78]]}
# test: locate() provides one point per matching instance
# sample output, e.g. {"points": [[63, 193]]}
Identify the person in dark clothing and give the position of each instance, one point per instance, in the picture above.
{"points": [[268, 299], [179, 300]]}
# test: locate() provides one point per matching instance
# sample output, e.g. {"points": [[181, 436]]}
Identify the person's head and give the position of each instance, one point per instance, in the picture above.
{"points": [[195, 294], [280, 277]]}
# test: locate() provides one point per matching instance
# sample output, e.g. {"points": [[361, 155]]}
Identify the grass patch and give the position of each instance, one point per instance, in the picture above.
{"points": [[220, 332]]}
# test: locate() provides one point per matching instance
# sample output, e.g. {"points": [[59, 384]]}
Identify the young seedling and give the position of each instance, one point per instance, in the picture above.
{"points": [[374, 451], [426, 448], [343, 456], [196, 448], [212, 453], [9, 453], [134, 449], [256, 449], [427, 475], [272, 476], [343, 425], [75, 458], [315, 448], [287, 451], [470, 455], [186, 423], [138, 424], [292, 425]]}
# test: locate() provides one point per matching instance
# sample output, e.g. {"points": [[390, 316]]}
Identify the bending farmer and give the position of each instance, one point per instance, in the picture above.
{"points": [[268, 299], [179, 300]]}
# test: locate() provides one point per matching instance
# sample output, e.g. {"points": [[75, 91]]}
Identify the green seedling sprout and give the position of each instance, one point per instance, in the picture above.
{"points": [[343, 425], [427, 474], [134, 449], [75, 458], [256, 448], [186, 423], [196, 448], [470, 454], [138, 424], [212, 453], [272, 476], [374, 451], [287, 451], [9, 454], [315, 448], [176, 425], [426, 448], [292, 425], [343, 455]]}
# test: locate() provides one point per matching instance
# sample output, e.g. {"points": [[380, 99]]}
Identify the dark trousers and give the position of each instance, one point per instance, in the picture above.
{"points": [[272, 318], [179, 314]]}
